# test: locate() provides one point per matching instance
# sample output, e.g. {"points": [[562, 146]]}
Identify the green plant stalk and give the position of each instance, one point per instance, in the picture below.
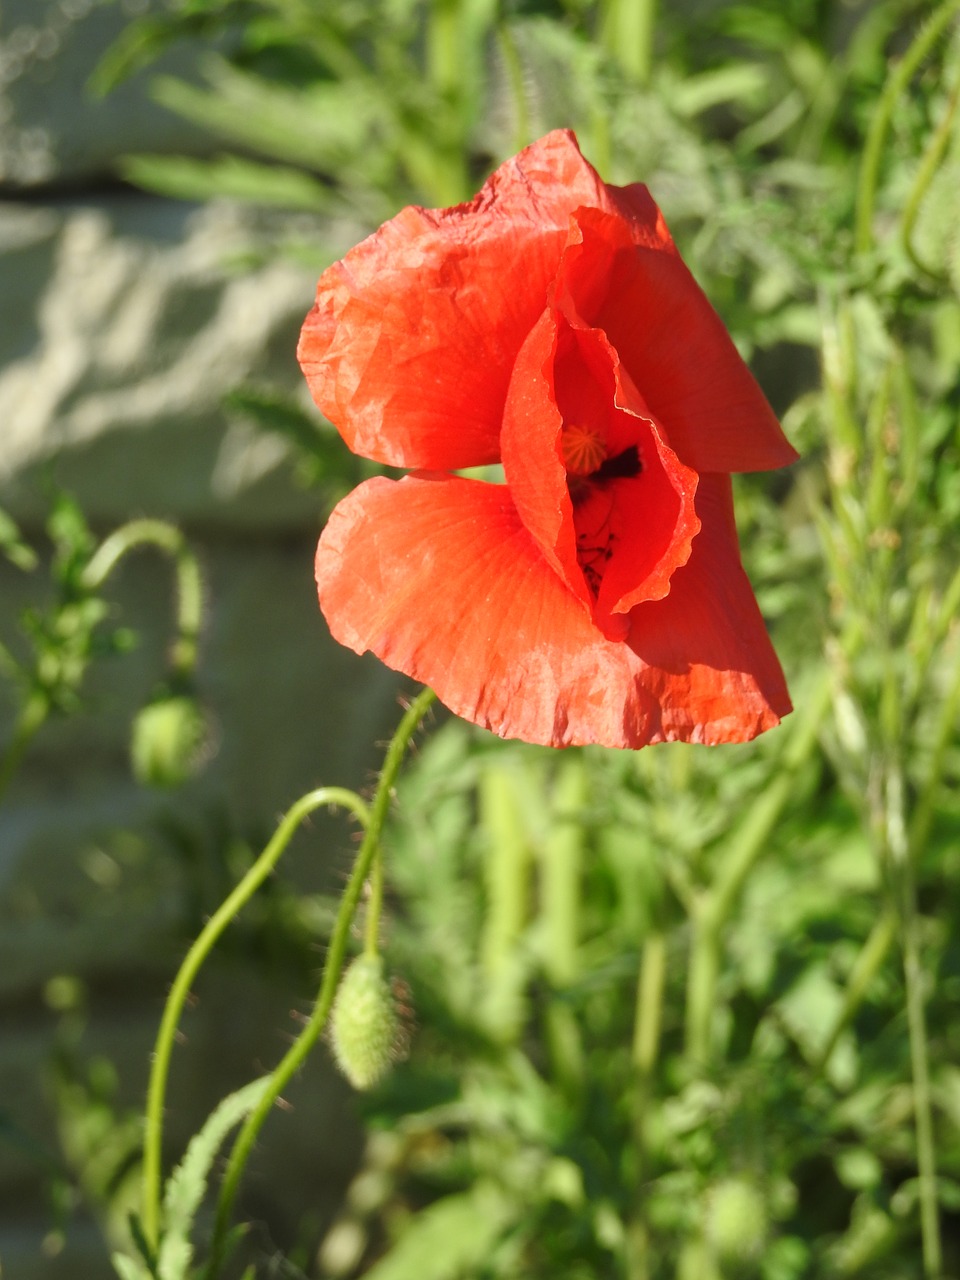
{"points": [[560, 894], [514, 71], [447, 74], [928, 167], [168, 538], [879, 498], [296, 1055], [644, 1051], [371, 931], [910, 430], [180, 990], [715, 905], [507, 883], [920, 1070], [887, 811], [649, 1007], [628, 36], [443, 47], [922, 817], [31, 718], [561, 871], [646, 1047], [865, 968], [896, 83]]}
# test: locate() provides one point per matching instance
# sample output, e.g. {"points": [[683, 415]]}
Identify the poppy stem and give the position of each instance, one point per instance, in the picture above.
{"points": [[371, 934], [928, 167], [507, 867], [648, 1015], [896, 83], [865, 968], [920, 1070], [628, 28], [561, 891], [713, 908], [892, 834], [180, 990], [29, 722], [288, 1066], [166, 537]]}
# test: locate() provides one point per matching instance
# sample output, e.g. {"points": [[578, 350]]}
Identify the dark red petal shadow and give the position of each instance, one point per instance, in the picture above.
{"points": [[410, 344], [440, 578], [572, 374], [674, 346]]}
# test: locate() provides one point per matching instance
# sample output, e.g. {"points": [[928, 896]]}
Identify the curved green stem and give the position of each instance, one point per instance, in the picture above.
{"points": [[628, 35], [928, 167], [897, 82], [865, 968], [712, 908], [201, 948], [649, 1006], [168, 538], [296, 1055], [34, 713], [371, 936], [941, 738], [920, 1070], [513, 68]]}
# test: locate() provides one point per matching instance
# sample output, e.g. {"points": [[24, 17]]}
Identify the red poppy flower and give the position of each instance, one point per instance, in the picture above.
{"points": [[550, 325]]}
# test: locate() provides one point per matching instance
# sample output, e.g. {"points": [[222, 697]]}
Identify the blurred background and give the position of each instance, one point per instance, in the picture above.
{"points": [[173, 178]]}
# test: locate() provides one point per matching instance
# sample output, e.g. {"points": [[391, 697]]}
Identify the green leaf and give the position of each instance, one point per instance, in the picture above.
{"points": [[741, 82], [187, 1184], [450, 1237], [13, 546], [129, 1269], [184, 178], [327, 127]]}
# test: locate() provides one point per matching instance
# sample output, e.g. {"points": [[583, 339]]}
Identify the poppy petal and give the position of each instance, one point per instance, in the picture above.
{"points": [[441, 579], [410, 344], [642, 528], [673, 344], [705, 648]]}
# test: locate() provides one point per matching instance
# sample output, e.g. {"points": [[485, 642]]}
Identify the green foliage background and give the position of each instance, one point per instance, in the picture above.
{"points": [[687, 1012]]}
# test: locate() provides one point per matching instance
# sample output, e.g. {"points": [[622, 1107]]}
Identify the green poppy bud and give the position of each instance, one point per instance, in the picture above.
{"points": [[365, 1029], [736, 1222], [168, 734]]}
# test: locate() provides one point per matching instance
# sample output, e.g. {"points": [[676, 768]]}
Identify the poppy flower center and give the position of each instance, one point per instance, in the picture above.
{"points": [[595, 501], [583, 449]]}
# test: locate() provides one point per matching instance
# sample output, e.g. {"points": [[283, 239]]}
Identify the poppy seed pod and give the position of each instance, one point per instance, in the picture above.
{"points": [[168, 734], [365, 1030]]}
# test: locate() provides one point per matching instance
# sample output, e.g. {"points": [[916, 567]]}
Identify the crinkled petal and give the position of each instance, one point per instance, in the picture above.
{"points": [[708, 659], [442, 580], [673, 344], [410, 344], [645, 525]]}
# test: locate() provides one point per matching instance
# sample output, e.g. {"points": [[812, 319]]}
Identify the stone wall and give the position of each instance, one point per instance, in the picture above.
{"points": [[125, 321]]}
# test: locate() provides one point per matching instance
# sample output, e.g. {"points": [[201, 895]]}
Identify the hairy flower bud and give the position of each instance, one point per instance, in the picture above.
{"points": [[736, 1222], [168, 734], [365, 1028]]}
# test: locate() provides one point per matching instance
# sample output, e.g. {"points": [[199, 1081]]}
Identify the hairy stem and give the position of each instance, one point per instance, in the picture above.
{"points": [[180, 990], [298, 1051], [168, 538], [897, 82], [713, 908]]}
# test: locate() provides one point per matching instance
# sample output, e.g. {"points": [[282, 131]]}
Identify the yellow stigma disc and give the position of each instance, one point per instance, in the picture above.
{"points": [[582, 448]]}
